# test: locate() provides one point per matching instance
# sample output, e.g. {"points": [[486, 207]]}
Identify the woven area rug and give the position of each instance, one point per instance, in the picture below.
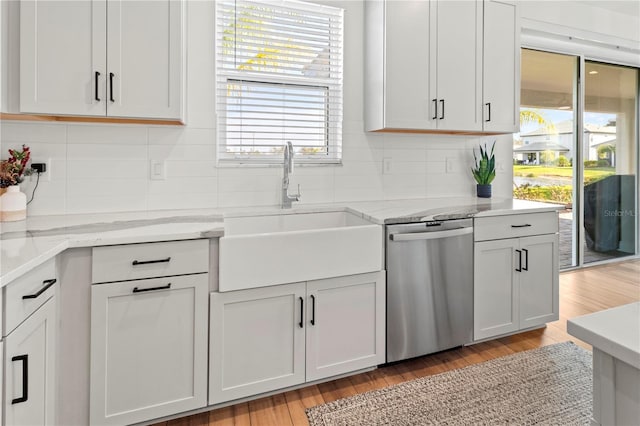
{"points": [[548, 385]]}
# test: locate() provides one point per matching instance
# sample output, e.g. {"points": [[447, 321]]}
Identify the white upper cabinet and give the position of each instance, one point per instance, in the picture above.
{"points": [[398, 81], [456, 54], [424, 66], [501, 68], [62, 46], [102, 58]]}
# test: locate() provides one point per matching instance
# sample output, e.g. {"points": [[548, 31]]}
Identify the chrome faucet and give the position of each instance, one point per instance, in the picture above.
{"points": [[288, 169]]}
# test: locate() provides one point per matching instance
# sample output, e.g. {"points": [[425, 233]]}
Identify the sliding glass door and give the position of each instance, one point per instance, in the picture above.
{"points": [[580, 151], [610, 161], [544, 152]]}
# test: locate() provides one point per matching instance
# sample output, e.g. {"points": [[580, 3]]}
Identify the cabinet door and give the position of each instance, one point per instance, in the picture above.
{"points": [[144, 57], [345, 324], [256, 341], [538, 280], [148, 348], [406, 87], [30, 369], [495, 294], [501, 73], [62, 47], [457, 55]]}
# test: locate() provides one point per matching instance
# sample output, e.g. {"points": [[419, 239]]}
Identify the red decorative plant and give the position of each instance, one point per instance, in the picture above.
{"points": [[13, 169]]}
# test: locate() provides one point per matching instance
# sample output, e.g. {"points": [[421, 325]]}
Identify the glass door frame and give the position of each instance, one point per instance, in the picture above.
{"points": [[578, 233]]}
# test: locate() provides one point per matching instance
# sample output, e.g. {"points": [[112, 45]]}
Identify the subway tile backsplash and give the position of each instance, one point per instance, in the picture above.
{"points": [[107, 168]]}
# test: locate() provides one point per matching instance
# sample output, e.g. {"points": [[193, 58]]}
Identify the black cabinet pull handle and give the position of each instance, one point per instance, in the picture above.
{"points": [[519, 268], [97, 76], [301, 323], [442, 112], [435, 109], [142, 290], [147, 262], [25, 378], [526, 225], [111, 75], [526, 260], [488, 104], [45, 287], [313, 310]]}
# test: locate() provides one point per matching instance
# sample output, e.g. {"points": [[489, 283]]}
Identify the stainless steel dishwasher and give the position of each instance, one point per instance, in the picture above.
{"points": [[429, 287]]}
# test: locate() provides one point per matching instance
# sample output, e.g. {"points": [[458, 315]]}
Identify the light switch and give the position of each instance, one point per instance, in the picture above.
{"points": [[386, 165], [452, 165], [157, 170]]}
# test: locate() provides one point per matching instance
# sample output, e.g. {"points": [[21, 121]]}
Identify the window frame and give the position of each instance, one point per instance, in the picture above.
{"points": [[329, 127]]}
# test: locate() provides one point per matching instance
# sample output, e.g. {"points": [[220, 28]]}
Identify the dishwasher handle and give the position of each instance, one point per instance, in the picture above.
{"points": [[415, 236]]}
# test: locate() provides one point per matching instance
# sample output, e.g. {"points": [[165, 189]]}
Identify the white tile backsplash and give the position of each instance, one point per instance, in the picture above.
{"points": [[20, 132], [107, 134], [105, 168]]}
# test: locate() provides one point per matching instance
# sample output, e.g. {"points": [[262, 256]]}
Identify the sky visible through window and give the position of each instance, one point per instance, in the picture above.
{"points": [[556, 116]]}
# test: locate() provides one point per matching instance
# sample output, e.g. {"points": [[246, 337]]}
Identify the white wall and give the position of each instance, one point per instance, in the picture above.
{"points": [[101, 168]]}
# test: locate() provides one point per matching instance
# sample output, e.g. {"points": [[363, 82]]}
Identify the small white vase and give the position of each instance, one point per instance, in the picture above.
{"points": [[14, 205]]}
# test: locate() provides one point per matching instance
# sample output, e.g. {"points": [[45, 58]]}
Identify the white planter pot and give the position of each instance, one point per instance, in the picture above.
{"points": [[13, 204]]}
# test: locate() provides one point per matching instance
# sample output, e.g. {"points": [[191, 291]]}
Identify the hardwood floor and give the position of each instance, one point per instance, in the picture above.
{"points": [[581, 292]]}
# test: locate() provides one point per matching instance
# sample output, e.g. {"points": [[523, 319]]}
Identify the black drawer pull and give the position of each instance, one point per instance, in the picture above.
{"points": [[519, 268], [435, 109], [488, 104], [47, 285], [442, 111], [25, 378], [142, 290], [526, 260], [96, 96], [111, 75], [301, 323], [526, 225], [147, 262], [313, 310]]}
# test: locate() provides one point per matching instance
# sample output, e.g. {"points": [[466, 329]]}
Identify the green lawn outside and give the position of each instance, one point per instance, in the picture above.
{"points": [[561, 194], [591, 174]]}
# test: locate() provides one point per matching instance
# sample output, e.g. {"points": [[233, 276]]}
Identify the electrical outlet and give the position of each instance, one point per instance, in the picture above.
{"points": [[157, 170], [45, 167]]}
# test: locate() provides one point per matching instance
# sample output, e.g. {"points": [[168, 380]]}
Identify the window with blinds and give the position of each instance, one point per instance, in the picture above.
{"points": [[278, 79]]}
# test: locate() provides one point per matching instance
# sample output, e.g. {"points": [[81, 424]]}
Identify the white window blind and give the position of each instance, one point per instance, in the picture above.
{"points": [[278, 79]]}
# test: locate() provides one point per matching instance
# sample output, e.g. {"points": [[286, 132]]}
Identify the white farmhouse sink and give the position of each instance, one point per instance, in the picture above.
{"points": [[258, 251]]}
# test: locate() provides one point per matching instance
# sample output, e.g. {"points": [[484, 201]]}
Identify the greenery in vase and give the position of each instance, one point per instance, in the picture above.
{"points": [[485, 166]]}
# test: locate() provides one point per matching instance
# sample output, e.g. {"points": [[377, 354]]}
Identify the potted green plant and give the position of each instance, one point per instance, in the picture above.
{"points": [[484, 171]]}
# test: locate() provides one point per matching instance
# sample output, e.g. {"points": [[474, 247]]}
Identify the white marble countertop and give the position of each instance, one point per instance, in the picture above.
{"points": [[26, 244], [615, 331]]}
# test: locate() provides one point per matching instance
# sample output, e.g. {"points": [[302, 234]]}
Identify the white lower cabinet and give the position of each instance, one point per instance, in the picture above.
{"points": [[29, 365], [515, 284], [148, 348], [257, 336], [257, 341], [345, 325]]}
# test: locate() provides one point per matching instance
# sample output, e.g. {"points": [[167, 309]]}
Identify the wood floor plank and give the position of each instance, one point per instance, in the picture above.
{"points": [[270, 411], [581, 292], [201, 419], [337, 389], [301, 399], [368, 381]]}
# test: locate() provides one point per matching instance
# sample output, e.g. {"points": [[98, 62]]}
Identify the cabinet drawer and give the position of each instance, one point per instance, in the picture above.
{"points": [[28, 293], [511, 226], [137, 261]]}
